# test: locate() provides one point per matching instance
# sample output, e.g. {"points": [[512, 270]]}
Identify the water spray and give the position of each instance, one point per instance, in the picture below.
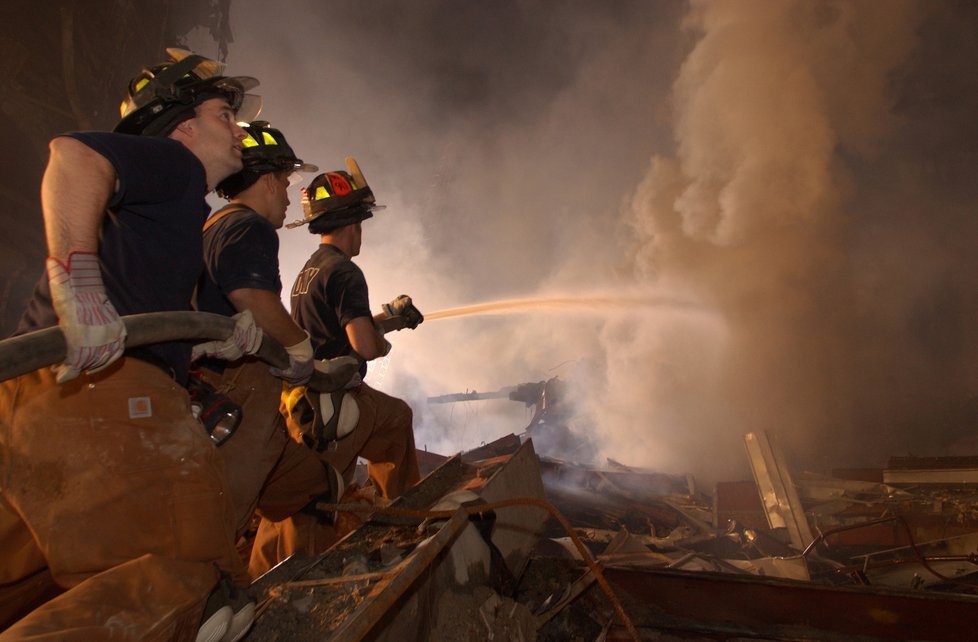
{"points": [[592, 304], [378, 372]]}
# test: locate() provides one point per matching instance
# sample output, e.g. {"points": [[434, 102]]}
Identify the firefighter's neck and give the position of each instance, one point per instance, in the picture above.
{"points": [[346, 239], [264, 198], [256, 204]]}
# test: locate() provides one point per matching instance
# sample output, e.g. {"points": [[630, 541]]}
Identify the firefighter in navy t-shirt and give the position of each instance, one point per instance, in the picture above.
{"points": [[266, 469], [111, 484]]}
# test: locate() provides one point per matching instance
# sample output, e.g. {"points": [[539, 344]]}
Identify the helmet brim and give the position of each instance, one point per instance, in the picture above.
{"points": [[296, 176], [244, 83], [363, 214], [236, 88], [158, 116]]}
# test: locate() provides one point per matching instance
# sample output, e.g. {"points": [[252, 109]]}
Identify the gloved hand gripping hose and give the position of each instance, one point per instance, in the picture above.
{"points": [[404, 307], [245, 339], [301, 363], [94, 333], [28, 352]]}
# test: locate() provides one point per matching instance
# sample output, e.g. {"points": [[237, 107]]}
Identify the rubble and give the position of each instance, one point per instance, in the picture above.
{"points": [[788, 555], [356, 589]]}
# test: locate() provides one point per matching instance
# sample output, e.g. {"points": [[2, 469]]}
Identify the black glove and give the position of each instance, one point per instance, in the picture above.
{"points": [[402, 306]]}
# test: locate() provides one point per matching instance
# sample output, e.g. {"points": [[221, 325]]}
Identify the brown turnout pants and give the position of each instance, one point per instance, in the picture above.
{"points": [[111, 483], [384, 436], [267, 471]]}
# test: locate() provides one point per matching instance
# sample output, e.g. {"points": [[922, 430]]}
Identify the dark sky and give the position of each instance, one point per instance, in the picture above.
{"points": [[798, 175]]}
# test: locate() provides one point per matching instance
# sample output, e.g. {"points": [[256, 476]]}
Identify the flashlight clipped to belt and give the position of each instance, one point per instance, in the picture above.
{"points": [[219, 415]]}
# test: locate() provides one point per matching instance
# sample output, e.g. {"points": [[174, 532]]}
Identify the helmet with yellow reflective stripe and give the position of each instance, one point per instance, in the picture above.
{"points": [[264, 150], [163, 96], [335, 199]]}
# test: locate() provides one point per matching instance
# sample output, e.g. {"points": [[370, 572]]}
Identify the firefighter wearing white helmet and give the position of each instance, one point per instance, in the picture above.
{"points": [[138, 505], [268, 473], [330, 301]]}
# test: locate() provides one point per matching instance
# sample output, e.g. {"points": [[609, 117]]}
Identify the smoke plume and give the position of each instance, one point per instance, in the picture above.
{"points": [[783, 113]]}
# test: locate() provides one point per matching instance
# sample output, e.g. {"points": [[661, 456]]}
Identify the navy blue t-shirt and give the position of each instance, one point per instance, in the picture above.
{"points": [[240, 251], [150, 243], [329, 292]]}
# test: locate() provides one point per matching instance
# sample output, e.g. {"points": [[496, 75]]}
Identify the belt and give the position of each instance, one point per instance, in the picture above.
{"points": [[152, 359]]}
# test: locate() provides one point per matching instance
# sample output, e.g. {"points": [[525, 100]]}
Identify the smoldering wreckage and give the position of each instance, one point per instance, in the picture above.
{"points": [[504, 542], [474, 551]]}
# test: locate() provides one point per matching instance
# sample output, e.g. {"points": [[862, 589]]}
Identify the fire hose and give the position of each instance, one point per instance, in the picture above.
{"points": [[28, 352]]}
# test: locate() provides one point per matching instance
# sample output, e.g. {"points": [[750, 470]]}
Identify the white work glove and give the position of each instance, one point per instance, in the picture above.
{"points": [[246, 339], [404, 307], [301, 364], [94, 334]]}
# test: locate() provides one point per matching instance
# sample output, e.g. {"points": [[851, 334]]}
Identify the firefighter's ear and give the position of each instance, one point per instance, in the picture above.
{"points": [[184, 129]]}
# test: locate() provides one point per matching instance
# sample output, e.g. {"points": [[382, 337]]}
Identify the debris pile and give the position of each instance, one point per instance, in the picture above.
{"points": [[633, 554]]}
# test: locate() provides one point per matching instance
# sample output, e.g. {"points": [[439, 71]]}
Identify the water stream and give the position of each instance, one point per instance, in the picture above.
{"points": [[591, 303]]}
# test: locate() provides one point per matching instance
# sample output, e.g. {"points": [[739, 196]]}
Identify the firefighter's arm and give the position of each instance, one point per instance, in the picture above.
{"points": [[75, 191], [271, 317], [269, 313], [366, 341]]}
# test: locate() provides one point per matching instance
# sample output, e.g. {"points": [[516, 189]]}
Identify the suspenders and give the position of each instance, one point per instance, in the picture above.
{"points": [[233, 209]]}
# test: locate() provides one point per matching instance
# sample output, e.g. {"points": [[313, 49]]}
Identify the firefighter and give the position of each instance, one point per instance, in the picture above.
{"points": [[330, 301], [109, 481], [266, 470]]}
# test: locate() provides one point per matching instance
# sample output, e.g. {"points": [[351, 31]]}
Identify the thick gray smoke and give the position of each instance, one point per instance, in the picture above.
{"points": [[839, 311], [751, 216], [795, 207]]}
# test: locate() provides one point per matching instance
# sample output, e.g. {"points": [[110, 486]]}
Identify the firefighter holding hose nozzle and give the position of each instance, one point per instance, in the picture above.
{"points": [[330, 301]]}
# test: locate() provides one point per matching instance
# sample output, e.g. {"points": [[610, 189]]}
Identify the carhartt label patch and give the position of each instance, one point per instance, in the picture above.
{"points": [[140, 407]]}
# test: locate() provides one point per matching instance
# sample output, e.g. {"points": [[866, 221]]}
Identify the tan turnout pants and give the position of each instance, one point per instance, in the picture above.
{"points": [[267, 471], [111, 483], [384, 436]]}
